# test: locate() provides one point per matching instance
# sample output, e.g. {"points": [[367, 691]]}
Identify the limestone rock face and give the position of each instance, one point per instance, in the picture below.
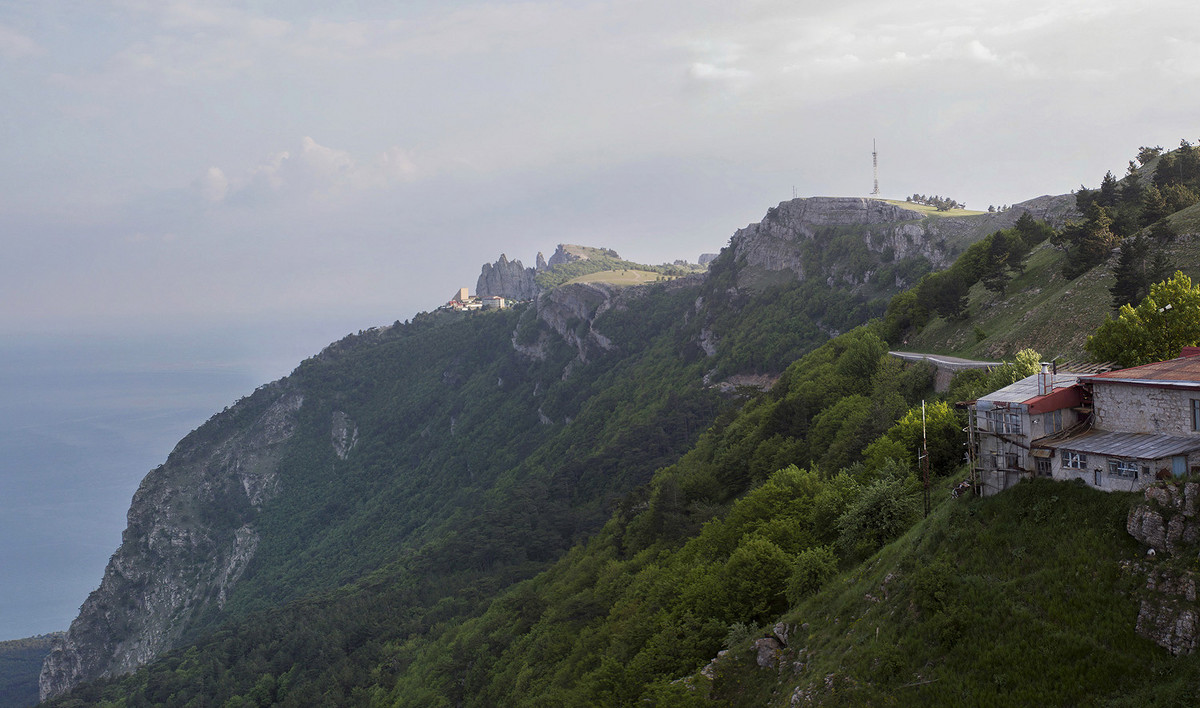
{"points": [[1166, 522], [767, 650], [1169, 615], [785, 238], [344, 434], [175, 560], [570, 311], [565, 254], [507, 279]]}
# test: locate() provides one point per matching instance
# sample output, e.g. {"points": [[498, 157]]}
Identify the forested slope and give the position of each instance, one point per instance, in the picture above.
{"points": [[419, 558], [454, 454]]}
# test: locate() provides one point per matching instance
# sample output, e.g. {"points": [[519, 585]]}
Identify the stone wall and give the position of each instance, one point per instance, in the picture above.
{"points": [[1143, 409]]}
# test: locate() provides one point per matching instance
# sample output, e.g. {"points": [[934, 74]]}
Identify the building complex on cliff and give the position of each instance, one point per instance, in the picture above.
{"points": [[1117, 430]]}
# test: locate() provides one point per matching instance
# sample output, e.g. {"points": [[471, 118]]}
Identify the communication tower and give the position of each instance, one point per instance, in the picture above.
{"points": [[875, 167]]}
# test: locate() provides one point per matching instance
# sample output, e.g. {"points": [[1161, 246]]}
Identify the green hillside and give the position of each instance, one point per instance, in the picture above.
{"points": [[546, 507], [1019, 599], [1051, 309]]}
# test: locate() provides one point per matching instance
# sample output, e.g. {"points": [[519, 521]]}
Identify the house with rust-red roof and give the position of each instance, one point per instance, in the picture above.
{"points": [[1117, 430]]}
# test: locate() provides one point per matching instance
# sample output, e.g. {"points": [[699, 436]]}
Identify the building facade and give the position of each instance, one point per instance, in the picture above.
{"points": [[1118, 430]]}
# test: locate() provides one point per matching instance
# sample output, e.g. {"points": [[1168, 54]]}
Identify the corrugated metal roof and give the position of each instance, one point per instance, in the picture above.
{"points": [[1141, 446], [1184, 370], [1027, 388]]}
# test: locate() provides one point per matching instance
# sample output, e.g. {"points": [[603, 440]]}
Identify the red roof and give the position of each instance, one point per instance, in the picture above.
{"points": [[1068, 397], [1183, 369]]}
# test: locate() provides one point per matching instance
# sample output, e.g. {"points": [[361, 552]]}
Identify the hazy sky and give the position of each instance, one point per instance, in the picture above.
{"points": [[186, 161]]}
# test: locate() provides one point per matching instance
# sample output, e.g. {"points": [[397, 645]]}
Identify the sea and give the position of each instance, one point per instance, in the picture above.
{"points": [[83, 418]]}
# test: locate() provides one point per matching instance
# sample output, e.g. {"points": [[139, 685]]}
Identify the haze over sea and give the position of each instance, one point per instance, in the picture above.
{"points": [[83, 418]]}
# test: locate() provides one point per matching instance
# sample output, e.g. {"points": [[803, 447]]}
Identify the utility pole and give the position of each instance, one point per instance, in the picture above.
{"points": [[875, 167], [925, 459]]}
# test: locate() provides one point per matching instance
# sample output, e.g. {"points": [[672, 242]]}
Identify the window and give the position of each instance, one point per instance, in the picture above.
{"points": [[1004, 422], [1123, 468], [1196, 414], [1074, 460], [1043, 466], [1006, 461], [1054, 421]]}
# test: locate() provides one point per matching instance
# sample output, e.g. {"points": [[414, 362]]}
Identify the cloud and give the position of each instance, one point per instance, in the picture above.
{"points": [[15, 45], [704, 71], [982, 53], [213, 185], [315, 171]]}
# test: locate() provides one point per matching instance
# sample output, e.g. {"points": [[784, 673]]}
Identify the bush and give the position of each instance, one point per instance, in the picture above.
{"points": [[884, 511], [814, 567]]}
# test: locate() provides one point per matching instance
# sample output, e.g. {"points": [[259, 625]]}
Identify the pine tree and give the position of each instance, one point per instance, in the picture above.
{"points": [[1130, 273]]}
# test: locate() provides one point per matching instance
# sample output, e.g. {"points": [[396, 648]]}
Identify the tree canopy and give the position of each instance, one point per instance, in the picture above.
{"points": [[1167, 320]]}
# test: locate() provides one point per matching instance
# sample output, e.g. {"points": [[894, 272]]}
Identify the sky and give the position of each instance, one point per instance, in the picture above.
{"points": [[187, 163], [262, 177]]}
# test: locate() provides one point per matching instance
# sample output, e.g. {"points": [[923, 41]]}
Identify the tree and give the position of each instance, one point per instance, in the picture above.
{"points": [[813, 567], [944, 293], [1154, 205], [1178, 196], [1031, 230], [942, 429], [1130, 271], [1005, 255], [1146, 154], [1087, 244], [1108, 190], [883, 511], [1167, 320]]}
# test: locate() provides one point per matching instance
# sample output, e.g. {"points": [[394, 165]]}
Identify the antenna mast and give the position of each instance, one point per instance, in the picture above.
{"points": [[875, 167]]}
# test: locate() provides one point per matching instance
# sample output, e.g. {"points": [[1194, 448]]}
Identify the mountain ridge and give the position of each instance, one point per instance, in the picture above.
{"points": [[134, 617]]}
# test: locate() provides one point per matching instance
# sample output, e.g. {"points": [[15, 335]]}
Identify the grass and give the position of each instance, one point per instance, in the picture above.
{"points": [[1042, 309], [1030, 315], [1186, 221], [1018, 599], [932, 211], [619, 277]]}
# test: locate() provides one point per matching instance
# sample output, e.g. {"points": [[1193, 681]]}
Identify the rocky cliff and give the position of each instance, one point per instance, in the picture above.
{"points": [[847, 239], [508, 279], [570, 310], [1167, 524], [190, 536]]}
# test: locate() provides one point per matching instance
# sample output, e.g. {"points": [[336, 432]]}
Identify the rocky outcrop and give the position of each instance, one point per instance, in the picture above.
{"points": [[571, 309], [787, 238], [189, 539], [1166, 522], [566, 253], [344, 434], [1168, 615], [507, 279]]}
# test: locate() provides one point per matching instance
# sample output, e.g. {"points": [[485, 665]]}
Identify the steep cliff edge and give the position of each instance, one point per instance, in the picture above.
{"points": [[1166, 522], [851, 240], [191, 534]]}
